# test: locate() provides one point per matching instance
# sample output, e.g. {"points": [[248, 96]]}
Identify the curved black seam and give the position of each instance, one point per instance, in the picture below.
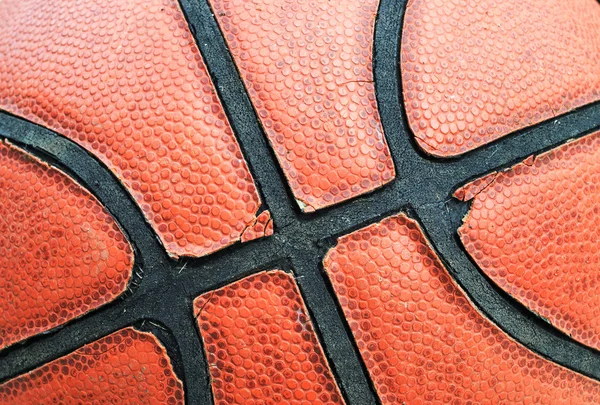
{"points": [[52, 162], [260, 157], [349, 334], [43, 348], [239, 110], [59, 152], [166, 337], [94, 176], [513, 318], [467, 166]]}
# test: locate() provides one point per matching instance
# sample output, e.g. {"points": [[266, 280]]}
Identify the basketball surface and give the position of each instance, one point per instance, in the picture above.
{"points": [[299, 202]]}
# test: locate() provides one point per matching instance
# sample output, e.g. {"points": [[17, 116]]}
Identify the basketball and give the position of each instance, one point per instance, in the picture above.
{"points": [[387, 202]]}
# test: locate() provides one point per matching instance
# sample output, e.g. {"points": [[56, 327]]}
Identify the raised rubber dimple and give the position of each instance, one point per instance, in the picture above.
{"points": [[476, 70], [261, 346], [535, 231], [126, 367], [307, 66], [61, 253], [125, 80], [421, 338]]}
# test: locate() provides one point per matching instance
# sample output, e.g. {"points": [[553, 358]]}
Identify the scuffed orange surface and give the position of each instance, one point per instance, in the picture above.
{"points": [[127, 367], [307, 68], [125, 80], [261, 346], [535, 231], [475, 70], [262, 227], [61, 253], [422, 340], [470, 190]]}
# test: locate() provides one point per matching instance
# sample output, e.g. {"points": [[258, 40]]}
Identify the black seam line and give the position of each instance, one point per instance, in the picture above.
{"points": [[94, 176], [190, 356], [150, 258], [503, 310], [271, 180], [401, 192], [152, 299], [202, 367], [240, 113], [337, 340], [252, 270], [166, 337], [152, 306], [137, 273], [150, 268], [268, 173], [68, 340], [510, 164], [41, 349], [298, 257], [442, 225]]}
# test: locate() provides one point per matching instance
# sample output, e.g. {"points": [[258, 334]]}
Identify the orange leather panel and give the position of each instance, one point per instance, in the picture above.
{"points": [[61, 253], [261, 346], [476, 70], [535, 231], [307, 66], [126, 81], [127, 367], [420, 337]]}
